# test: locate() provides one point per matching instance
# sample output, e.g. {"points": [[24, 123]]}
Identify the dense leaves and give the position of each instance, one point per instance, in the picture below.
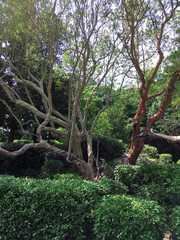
{"points": [[70, 208]]}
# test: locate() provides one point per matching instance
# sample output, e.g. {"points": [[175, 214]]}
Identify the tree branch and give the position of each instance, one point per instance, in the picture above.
{"points": [[157, 136]]}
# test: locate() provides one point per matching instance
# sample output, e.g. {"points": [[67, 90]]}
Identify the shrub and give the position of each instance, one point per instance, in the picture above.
{"points": [[113, 187], [152, 152], [146, 173], [50, 209], [175, 223], [40, 209], [122, 217], [152, 181], [148, 154], [165, 158], [50, 168]]}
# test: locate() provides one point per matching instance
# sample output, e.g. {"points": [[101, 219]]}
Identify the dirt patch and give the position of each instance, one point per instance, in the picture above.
{"points": [[167, 236]]}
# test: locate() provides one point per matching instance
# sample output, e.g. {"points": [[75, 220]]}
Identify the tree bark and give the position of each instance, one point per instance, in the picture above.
{"points": [[158, 135], [90, 150], [76, 147]]}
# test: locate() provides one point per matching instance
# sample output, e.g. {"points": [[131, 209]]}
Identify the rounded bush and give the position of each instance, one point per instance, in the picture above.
{"points": [[165, 158], [122, 217], [175, 223], [152, 181]]}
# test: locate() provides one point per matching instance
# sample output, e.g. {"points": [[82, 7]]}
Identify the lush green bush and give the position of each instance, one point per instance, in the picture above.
{"points": [[50, 209], [148, 154], [122, 217], [165, 158], [152, 181], [175, 223], [50, 168]]}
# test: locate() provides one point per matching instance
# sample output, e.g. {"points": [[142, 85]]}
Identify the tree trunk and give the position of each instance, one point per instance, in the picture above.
{"points": [[90, 151], [76, 148], [136, 150], [85, 168]]}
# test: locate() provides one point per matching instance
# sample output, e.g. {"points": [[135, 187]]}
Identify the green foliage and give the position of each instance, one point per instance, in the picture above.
{"points": [[122, 217], [51, 167], [50, 209], [148, 154], [113, 187], [178, 162], [165, 158], [175, 223], [152, 181], [67, 176], [40, 210], [116, 121], [151, 151]]}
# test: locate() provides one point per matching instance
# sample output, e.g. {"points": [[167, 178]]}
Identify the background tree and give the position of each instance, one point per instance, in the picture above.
{"points": [[144, 22], [77, 37]]}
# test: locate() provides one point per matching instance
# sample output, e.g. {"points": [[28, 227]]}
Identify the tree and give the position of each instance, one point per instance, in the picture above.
{"points": [[146, 24], [73, 36]]}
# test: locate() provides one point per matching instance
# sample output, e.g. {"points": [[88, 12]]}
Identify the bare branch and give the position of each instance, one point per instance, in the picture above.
{"points": [[158, 136]]}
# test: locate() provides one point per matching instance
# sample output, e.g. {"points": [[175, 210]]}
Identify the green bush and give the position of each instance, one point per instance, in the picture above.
{"points": [[148, 154], [50, 168], [50, 209], [152, 181], [40, 209], [175, 223], [151, 151], [165, 158], [122, 217]]}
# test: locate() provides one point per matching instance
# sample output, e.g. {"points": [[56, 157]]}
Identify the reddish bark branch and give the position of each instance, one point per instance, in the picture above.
{"points": [[167, 98]]}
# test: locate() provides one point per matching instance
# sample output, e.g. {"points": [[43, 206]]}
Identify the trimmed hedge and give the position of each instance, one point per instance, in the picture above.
{"points": [[49, 209], [152, 181], [122, 217], [70, 208]]}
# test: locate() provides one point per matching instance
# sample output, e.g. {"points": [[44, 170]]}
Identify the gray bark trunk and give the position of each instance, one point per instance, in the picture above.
{"points": [[90, 151]]}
